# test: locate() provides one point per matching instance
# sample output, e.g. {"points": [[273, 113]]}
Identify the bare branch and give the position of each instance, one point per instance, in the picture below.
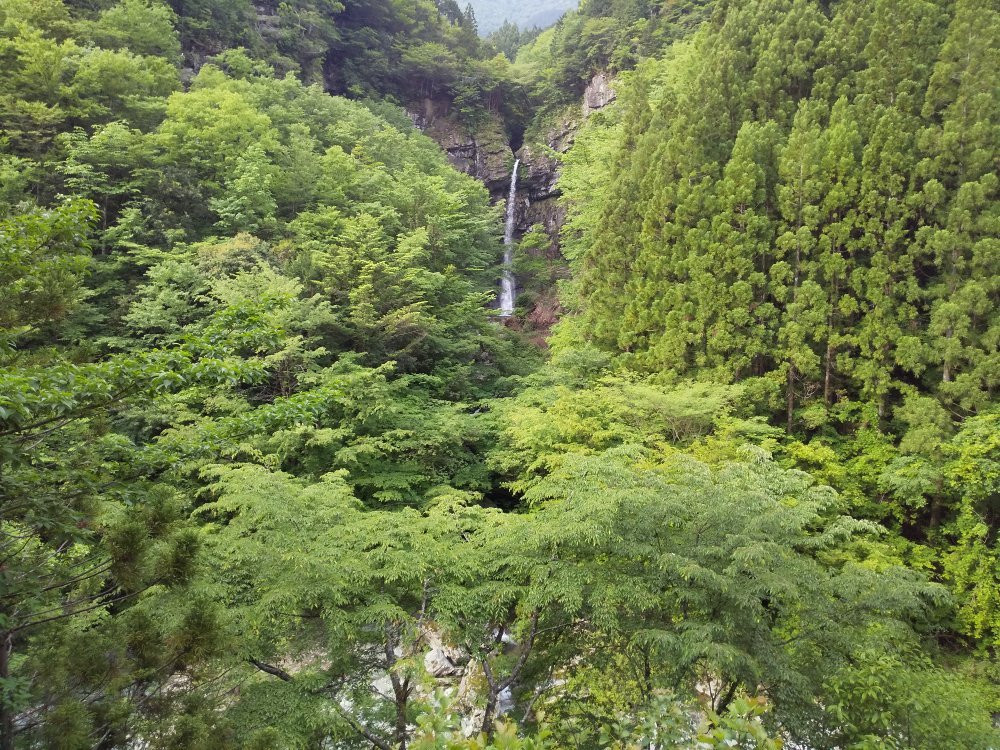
{"points": [[357, 727], [276, 671], [525, 653]]}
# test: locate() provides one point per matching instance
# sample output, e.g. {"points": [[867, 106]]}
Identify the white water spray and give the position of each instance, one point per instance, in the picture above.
{"points": [[507, 276]]}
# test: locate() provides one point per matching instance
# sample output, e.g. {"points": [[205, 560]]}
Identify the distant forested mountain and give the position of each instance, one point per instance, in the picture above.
{"points": [[492, 13]]}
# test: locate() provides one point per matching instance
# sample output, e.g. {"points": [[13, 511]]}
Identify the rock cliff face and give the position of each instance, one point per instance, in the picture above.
{"points": [[484, 154], [540, 157], [539, 205], [599, 94], [487, 156], [540, 174]]}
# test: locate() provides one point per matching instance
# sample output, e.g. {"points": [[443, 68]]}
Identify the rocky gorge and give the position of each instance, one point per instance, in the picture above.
{"points": [[489, 153]]}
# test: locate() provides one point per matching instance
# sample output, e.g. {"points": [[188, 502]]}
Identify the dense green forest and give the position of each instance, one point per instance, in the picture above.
{"points": [[601, 35], [274, 475]]}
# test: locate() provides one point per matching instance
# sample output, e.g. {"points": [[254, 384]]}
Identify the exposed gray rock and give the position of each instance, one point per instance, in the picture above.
{"points": [[598, 94], [540, 157], [484, 154], [540, 174], [443, 659], [268, 21]]}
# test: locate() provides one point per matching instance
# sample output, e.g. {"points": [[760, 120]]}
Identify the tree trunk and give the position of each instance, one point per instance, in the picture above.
{"points": [[491, 707], [401, 692], [936, 507], [830, 320], [6, 710], [496, 686], [790, 398], [402, 733], [647, 675], [946, 371], [828, 375], [400, 688], [726, 699]]}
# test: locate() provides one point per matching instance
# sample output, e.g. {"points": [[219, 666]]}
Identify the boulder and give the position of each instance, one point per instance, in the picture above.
{"points": [[443, 659], [438, 663]]}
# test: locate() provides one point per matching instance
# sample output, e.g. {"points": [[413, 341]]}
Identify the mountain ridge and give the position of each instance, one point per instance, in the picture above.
{"points": [[491, 14]]}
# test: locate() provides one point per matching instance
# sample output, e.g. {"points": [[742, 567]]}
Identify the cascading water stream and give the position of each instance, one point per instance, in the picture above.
{"points": [[507, 276]]}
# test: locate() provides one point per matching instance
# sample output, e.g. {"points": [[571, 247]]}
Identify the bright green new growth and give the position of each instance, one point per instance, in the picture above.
{"points": [[271, 477]]}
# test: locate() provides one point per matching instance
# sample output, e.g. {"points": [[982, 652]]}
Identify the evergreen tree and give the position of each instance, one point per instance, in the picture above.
{"points": [[886, 287], [840, 169], [957, 201], [741, 333], [795, 285]]}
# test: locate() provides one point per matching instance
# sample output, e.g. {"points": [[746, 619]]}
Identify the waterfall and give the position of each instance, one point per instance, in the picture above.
{"points": [[507, 277]]}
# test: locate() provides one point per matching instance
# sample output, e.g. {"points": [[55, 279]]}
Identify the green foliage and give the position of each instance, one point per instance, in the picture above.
{"points": [[906, 706], [271, 478], [665, 722], [566, 411], [795, 245], [144, 27], [43, 257], [247, 204], [783, 203], [601, 36], [766, 227], [139, 346], [508, 38]]}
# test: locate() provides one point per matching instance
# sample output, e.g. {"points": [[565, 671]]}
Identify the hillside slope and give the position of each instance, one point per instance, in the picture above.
{"points": [[274, 475]]}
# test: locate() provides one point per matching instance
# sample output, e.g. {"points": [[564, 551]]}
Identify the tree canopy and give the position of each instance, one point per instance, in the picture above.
{"points": [[272, 476]]}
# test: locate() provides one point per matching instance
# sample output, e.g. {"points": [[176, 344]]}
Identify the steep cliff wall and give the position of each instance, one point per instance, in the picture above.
{"points": [[541, 212], [484, 152], [550, 136]]}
